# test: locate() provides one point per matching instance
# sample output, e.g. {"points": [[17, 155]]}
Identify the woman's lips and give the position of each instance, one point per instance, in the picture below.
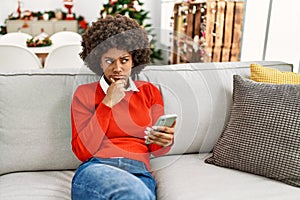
{"points": [[118, 77]]}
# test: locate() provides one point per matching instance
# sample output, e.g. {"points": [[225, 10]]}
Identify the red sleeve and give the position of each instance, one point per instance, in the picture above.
{"points": [[88, 125], [157, 110]]}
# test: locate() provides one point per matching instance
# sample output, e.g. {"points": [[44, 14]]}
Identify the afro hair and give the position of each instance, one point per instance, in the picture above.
{"points": [[118, 32]]}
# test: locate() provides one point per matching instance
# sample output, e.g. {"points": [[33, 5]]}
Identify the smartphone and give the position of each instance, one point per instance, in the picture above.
{"points": [[166, 120]]}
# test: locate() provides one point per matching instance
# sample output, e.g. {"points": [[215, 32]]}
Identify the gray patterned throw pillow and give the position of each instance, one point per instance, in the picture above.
{"points": [[263, 133]]}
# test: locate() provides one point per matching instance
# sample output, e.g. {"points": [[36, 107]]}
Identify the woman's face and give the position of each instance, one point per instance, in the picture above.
{"points": [[116, 64]]}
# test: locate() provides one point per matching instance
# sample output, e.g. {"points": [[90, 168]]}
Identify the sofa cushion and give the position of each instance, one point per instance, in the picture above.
{"points": [[189, 177], [35, 130], [270, 75], [43, 185], [263, 133]]}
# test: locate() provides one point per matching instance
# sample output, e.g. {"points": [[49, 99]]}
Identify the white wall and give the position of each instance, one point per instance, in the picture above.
{"points": [[284, 38], [254, 29], [283, 41]]}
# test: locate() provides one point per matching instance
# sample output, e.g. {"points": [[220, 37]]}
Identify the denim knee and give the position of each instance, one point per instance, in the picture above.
{"points": [[99, 181]]}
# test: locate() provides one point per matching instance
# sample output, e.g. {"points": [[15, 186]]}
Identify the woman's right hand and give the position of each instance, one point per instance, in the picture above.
{"points": [[115, 93]]}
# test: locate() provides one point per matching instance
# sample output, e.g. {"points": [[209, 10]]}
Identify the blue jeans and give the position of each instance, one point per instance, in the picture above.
{"points": [[113, 178]]}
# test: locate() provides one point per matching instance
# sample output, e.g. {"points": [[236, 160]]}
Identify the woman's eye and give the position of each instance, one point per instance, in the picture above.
{"points": [[109, 61], [125, 60]]}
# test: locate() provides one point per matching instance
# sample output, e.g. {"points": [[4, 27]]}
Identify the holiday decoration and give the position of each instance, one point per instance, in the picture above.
{"points": [[41, 40], [133, 9], [35, 42], [49, 15], [69, 5], [19, 9], [82, 25], [58, 14]]}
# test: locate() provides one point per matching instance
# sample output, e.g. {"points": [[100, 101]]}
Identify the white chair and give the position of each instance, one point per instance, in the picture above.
{"points": [[66, 56], [17, 57], [65, 37], [18, 38]]}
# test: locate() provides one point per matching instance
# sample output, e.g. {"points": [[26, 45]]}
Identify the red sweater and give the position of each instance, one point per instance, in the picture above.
{"points": [[104, 132]]}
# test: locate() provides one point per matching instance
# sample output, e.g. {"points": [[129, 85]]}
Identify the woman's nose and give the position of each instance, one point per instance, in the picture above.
{"points": [[117, 66]]}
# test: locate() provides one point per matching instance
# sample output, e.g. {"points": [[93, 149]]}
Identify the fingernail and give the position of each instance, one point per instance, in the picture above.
{"points": [[148, 128], [146, 140], [147, 132], [155, 127]]}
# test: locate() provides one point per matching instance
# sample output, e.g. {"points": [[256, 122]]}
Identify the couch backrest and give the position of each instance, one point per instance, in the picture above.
{"points": [[200, 94], [35, 130]]}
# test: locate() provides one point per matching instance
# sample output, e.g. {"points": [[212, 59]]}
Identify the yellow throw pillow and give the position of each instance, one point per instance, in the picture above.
{"points": [[270, 75]]}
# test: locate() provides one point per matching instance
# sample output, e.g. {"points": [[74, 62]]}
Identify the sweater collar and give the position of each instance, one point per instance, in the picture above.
{"points": [[131, 86]]}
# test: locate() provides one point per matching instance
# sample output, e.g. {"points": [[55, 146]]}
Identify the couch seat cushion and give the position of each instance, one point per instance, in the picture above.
{"points": [[188, 177], [42, 185]]}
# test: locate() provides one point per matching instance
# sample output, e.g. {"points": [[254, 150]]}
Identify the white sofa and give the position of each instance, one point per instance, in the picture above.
{"points": [[36, 161]]}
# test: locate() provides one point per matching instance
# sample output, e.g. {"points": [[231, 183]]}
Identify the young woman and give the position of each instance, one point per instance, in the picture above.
{"points": [[112, 119]]}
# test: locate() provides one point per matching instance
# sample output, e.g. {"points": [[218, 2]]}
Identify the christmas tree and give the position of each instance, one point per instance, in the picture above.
{"points": [[133, 9]]}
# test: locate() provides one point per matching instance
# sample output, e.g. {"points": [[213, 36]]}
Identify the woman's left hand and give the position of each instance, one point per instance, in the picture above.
{"points": [[160, 135]]}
